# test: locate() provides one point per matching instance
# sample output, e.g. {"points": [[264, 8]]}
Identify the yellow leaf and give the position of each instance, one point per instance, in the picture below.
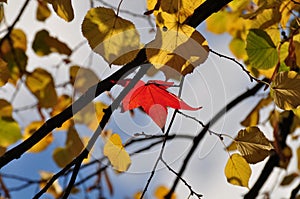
{"points": [[63, 9], [91, 115], [62, 103], [161, 191], [41, 145], [217, 22], [114, 38], [55, 189], [41, 84], [4, 72], [44, 44], [237, 170], [137, 195], [82, 78], [180, 47], [238, 48], [253, 145], [285, 90], [116, 153], [6, 109], [10, 132], [43, 11], [252, 118], [73, 147]]}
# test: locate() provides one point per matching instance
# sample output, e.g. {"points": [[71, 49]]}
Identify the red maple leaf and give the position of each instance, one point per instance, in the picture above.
{"points": [[154, 99]]}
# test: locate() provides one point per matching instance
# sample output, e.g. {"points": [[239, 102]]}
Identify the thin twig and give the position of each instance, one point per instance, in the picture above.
{"points": [[202, 133], [238, 63], [183, 180]]}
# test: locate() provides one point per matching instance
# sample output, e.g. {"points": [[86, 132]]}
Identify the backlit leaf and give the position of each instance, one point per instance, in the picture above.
{"points": [[285, 90], [252, 118], [116, 153], [237, 47], [161, 191], [217, 22], [261, 50], [41, 84], [4, 72], [55, 189], [63, 102], [176, 45], [114, 38], [73, 146], [43, 11], [44, 44], [10, 132], [183, 9], [237, 170], [154, 99], [288, 179], [82, 78], [41, 145], [63, 9], [137, 195], [253, 145]]}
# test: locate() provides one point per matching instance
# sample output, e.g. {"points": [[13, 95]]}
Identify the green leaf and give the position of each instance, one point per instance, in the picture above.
{"points": [[44, 44], [261, 50], [285, 90], [237, 170], [253, 145], [10, 132]]}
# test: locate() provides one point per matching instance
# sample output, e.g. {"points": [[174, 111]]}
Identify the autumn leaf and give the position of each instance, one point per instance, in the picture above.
{"points": [[288, 179], [161, 191], [114, 38], [63, 102], [41, 84], [176, 45], [41, 145], [10, 131], [63, 9], [285, 90], [116, 153], [4, 72], [261, 50], [82, 78], [183, 9], [73, 146], [252, 118], [253, 145], [6, 109], [237, 170], [154, 99], [42, 11], [44, 44]]}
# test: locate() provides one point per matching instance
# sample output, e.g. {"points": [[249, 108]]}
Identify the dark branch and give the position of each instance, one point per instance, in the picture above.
{"points": [[283, 130], [200, 136]]}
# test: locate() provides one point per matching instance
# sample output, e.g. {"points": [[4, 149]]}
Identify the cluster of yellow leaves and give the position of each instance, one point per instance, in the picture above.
{"points": [[176, 44], [159, 193]]}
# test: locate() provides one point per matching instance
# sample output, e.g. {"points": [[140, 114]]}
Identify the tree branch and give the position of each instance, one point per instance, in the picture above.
{"points": [[200, 14], [200, 136]]}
